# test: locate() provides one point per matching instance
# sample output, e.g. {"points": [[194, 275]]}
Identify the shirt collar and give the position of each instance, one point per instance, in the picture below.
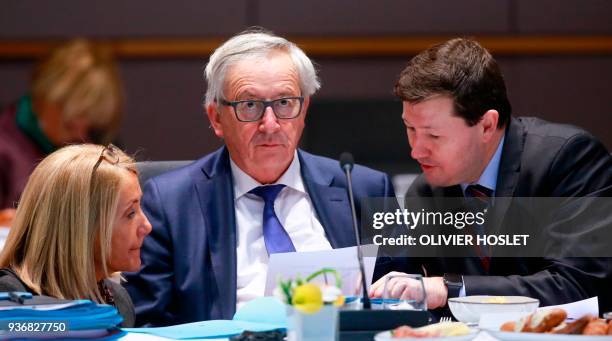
{"points": [[243, 182], [488, 178]]}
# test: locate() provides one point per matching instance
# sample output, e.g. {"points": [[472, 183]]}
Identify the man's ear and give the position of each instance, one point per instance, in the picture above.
{"points": [[215, 118], [489, 124]]}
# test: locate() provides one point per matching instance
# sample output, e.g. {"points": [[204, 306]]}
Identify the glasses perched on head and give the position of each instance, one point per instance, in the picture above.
{"points": [[110, 154], [253, 110]]}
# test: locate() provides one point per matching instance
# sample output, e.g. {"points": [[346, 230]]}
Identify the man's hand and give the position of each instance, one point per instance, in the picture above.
{"points": [[408, 288]]}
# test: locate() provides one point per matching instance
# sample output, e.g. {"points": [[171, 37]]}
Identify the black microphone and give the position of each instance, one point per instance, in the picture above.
{"points": [[346, 163]]}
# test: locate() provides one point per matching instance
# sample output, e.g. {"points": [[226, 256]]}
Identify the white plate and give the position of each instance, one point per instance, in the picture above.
{"points": [[510, 336], [386, 336]]}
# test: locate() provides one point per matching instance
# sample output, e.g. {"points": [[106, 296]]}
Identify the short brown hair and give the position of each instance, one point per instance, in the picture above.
{"points": [[462, 69]]}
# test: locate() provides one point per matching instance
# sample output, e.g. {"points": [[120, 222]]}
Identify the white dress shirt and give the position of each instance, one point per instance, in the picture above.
{"points": [[294, 210]]}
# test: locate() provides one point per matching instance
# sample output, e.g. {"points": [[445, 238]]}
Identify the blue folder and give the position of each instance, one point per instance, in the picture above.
{"points": [[261, 314]]}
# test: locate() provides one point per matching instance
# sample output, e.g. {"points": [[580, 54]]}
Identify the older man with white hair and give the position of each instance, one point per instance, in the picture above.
{"points": [[216, 221]]}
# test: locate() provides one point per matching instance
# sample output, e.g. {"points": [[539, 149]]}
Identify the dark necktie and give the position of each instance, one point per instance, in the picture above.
{"points": [[276, 238], [479, 199]]}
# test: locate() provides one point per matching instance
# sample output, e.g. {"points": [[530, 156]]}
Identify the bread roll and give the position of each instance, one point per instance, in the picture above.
{"points": [[545, 320], [508, 326], [596, 327], [575, 327]]}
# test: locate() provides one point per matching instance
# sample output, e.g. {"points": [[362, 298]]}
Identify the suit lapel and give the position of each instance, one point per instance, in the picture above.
{"points": [[330, 203], [216, 195], [509, 168]]}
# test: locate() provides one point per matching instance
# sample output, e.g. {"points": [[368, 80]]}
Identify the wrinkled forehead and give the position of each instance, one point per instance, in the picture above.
{"points": [[253, 60], [276, 66]]}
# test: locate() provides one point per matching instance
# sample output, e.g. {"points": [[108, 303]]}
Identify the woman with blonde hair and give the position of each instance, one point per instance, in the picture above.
{"points": [[78, 222], [75, 97]]}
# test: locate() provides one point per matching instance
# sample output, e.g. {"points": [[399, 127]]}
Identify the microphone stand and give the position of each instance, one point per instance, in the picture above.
{"points": [[357, 325], [367, 304]]}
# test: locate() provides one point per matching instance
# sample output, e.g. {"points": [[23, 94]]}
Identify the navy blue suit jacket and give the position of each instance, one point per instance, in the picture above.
{"points": [[188, 270]]}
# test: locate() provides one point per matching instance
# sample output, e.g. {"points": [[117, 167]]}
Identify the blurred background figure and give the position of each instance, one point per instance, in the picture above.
{"points": [[79, 221], [75, 96]]}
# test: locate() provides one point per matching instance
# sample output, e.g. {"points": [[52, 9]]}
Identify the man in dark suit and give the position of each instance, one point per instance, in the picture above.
{"points": [[461, 131], [216, 221]]}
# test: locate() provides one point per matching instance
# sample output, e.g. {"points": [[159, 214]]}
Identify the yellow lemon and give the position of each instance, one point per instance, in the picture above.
{"points": [[307, 298]]}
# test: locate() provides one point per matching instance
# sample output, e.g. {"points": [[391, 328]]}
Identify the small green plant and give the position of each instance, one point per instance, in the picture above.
{"points": [[309, 297]]}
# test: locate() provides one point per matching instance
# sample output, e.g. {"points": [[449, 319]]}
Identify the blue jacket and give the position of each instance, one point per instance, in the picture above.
{"points": [[188, 270]]}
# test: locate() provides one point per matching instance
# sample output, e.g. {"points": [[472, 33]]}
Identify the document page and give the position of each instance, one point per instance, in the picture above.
{"points": [[293, 264]]}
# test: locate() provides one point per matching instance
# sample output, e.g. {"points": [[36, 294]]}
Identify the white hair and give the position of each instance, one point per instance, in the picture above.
{"points": [[256, 44]]}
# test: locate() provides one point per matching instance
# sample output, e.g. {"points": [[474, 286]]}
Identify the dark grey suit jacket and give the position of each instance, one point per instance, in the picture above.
{"points": [[539, 159], [10, 282]]}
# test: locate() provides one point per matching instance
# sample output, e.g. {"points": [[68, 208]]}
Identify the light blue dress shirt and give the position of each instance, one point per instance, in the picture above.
{"points": [[488, 179]]}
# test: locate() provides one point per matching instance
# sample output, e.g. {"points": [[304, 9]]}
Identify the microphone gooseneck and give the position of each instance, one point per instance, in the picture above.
{"points": [[346, 163]]}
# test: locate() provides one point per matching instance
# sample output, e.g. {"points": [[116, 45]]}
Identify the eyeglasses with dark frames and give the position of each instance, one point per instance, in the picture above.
{"points": [[252, 110], [110, 154]]}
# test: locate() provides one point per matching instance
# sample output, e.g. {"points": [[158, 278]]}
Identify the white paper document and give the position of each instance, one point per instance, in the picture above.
{"points": [[293, 264], [576, 310]]}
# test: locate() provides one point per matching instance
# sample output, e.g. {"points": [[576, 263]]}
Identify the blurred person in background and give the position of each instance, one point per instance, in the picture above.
{"points": [[79, 221], [75, 96]]}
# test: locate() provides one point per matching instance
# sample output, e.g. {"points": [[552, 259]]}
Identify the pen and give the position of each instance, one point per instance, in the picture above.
{"points": [[15, 297]]}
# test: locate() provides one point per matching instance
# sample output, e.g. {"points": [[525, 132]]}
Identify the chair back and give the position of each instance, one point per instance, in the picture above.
{"points": [[150, 169]]}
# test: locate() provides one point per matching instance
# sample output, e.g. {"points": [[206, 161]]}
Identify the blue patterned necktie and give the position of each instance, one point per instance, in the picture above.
{"points": [[480, 192], [276, 238], [480, 197]]}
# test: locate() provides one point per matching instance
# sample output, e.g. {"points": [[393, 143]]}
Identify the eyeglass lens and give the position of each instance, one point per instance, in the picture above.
{"points": [[282, 107]]}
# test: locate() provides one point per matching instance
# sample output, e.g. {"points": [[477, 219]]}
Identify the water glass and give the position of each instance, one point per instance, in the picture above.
{"points": [[404, 292]]}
